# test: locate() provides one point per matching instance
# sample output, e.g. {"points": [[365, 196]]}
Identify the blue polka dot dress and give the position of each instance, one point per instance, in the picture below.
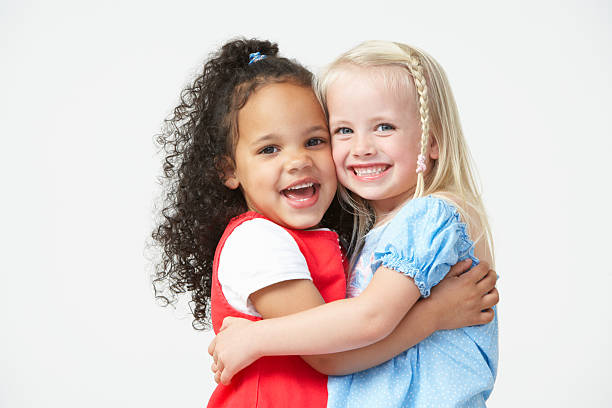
{"points": [[451, 368]]}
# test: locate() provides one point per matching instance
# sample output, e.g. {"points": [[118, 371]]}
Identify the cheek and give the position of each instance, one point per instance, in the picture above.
{"points": [[341, 171], [332, 182], [326, 164], [338, 165], [338, 154]]}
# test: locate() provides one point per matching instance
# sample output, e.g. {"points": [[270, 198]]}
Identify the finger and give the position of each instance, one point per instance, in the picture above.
{"points": [[477, 272], [226, 377], [213, 367], [490, 299], [218, 377], [491, 274], [215, 357], [486, 316], [459, 267], [487, 283], [211, 346]]}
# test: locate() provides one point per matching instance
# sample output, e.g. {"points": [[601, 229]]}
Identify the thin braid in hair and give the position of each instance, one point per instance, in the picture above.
{"points": [[416, 70]]}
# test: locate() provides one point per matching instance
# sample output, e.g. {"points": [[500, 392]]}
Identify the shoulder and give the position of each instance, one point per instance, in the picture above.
{"points": [[261, 246], [424, 239], [472, 217], [423, 213], [440, 205], [423, 226], [258, 253], [257, 236]]}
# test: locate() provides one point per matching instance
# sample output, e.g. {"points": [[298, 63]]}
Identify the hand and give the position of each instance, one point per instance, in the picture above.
{"points": [[465, 298], [232, 349]]}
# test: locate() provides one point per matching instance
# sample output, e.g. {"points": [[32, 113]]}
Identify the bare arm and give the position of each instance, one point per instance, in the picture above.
{"points": [[346, 323], [463, 296], [457, 301]]}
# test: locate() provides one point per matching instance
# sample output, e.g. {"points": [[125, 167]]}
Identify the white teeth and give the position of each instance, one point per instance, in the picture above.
{"points": [[303, 185], [368, 171]]}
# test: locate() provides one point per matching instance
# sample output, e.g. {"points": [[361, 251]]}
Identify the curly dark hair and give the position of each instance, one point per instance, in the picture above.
{"points": [[198, 141]]}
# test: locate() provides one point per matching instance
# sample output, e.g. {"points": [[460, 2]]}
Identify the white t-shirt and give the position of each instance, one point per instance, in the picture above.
{"points": [[258, 253]]}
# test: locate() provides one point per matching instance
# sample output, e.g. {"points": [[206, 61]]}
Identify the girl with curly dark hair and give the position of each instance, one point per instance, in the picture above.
{"points": [[247, 225], [247, 151]]}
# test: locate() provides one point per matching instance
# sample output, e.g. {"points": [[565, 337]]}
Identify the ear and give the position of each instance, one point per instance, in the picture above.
{"points": [[227, 172], [231, 182], [434, 151]]}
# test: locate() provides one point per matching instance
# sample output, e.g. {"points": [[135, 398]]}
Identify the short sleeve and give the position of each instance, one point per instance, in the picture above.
{"points": [[258, 253], [423, 241]]}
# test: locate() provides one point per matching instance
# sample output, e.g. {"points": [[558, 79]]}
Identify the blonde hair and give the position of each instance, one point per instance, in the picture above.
{"points": [[453, 172]]}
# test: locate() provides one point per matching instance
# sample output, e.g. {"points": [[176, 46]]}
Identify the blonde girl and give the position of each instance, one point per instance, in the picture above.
{"points": [[405, 169]]}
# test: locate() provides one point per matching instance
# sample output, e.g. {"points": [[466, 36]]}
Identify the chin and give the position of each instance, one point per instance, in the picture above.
{"points": [[303, 225], [303, 222]]}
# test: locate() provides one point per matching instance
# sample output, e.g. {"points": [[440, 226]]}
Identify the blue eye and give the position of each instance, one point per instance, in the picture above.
{"points": [[384, 127], [269, 150], [315, 141], [344, 131]]}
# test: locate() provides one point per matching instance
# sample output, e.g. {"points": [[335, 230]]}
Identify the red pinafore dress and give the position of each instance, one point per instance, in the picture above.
{"points": [[280, 381]]}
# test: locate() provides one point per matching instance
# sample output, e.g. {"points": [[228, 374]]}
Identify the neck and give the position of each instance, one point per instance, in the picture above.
{"points": [[384, 213], [385, 209]]}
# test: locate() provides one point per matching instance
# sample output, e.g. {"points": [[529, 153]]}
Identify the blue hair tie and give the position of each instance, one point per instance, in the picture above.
{"points": [[256, 56]]}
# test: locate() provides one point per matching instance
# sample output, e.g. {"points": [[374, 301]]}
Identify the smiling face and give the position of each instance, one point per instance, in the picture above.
{"points": [[376, 134], [283, 160]]}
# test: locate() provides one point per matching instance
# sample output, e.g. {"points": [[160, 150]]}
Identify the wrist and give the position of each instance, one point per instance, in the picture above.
{"points": [[266, 337], [257, 340], [435, 313]]}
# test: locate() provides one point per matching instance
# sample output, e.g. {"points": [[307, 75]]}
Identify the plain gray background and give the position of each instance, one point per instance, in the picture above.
{"points": [[85, 86]]}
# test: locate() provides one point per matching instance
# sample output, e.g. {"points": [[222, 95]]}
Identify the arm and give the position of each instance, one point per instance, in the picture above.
{"points": [[347, 323], [300, 333], [360, 317], [457, 301]]}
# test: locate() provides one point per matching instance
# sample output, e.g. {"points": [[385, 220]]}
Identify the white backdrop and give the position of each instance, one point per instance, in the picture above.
{"points": [[85, 86]]}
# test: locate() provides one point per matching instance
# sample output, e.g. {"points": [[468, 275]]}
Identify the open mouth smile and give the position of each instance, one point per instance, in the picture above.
{"points": [[302, 194]]}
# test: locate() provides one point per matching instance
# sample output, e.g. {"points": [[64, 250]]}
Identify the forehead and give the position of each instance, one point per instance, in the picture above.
{"points": [[279, 94], [385, 84], [280, 108]]}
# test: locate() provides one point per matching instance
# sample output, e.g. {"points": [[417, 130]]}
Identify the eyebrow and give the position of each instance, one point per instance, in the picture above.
{"points": [[382, 118], [340, 122], [264, 138], [317, 128], [385, 117], [272, 136]]}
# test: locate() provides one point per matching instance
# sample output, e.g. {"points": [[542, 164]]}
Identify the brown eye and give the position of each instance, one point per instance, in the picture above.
{"points": [[269, 150], [314, 142]]}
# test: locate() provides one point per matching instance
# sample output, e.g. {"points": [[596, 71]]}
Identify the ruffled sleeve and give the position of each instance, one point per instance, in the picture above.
{"points": [[423, 241]]}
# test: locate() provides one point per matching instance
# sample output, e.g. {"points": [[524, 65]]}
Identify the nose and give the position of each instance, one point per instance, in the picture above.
{"points": [[362, 145], [298, 160]]}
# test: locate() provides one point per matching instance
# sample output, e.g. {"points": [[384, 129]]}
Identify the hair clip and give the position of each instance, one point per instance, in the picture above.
{"points": [[421, 167], [256, 56]]}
